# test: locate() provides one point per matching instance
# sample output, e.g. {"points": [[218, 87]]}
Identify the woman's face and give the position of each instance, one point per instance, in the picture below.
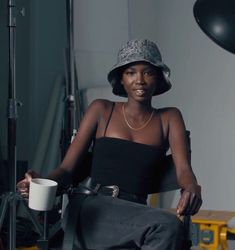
{"points": [[139, 80]]}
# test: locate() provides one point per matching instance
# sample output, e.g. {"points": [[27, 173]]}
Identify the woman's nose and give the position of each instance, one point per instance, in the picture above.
{"points": [[140, 79]]}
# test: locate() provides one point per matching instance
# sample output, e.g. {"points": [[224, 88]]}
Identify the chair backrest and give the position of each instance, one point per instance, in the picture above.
{"points": [[168, 182]]}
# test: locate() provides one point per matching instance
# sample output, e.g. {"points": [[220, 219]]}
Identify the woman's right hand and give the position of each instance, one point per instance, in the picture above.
{"points": [[23, 185]]}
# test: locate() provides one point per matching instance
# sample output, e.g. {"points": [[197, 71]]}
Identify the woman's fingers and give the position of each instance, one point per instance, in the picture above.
{"points": [[196, 205], [183, 203], [28, 177], [23, 188], [23, 185], [189, 203]]}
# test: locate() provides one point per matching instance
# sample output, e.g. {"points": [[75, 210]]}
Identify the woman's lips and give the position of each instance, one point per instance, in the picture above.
{"points": [[139, 92]]}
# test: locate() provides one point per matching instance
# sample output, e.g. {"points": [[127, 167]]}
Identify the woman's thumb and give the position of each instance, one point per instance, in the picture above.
{"points": [[28, 177]]}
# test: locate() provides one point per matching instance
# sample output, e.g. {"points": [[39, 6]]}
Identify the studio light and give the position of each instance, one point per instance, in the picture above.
{"points": [[217, 19]]}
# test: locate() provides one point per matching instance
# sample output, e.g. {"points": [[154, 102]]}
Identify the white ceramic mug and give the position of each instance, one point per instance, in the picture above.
{"points": [[42, 193]]}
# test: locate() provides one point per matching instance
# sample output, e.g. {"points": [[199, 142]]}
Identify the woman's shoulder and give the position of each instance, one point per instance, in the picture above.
{"points": [[171, 117], [101, 105], [170, 113]]}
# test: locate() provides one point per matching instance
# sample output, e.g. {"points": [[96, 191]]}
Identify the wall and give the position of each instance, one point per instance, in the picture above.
{"points": [[99, 29], [48, 43]]}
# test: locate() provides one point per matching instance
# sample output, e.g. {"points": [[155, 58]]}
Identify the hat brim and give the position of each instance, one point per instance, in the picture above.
{"points": [[163, 85]]}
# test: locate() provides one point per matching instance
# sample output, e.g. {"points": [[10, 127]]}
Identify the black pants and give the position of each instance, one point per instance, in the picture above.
{"points": [[112, 223]]}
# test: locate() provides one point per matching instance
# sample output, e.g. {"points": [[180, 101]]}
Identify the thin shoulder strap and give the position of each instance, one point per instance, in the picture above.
{"points": [[162, 129], [110, 115]]}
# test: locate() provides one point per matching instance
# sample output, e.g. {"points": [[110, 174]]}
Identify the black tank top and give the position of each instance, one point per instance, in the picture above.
{"points": [[131, 166]]}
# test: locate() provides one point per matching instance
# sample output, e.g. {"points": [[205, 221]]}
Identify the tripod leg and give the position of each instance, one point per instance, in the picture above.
{"points": [[9, 202], [3, 208], [12, 223], [43, 242], [33, 218]]}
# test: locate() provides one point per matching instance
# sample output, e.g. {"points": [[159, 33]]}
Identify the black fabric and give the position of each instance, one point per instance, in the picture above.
{"points": [[83, 170], [141, 164], [111, 223], [166, 179], [74, 208], [95, 222], [87, 188]]}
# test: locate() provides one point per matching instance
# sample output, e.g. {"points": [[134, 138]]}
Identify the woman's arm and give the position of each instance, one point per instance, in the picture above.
{"points": [[76, 151], [190, 201], [80, 145]]}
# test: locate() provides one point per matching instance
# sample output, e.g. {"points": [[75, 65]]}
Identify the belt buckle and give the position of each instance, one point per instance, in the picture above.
{"points": [[115, 190]]}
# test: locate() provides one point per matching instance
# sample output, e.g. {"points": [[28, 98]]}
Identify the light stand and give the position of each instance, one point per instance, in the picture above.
{"points": [[71, 76], [73, 104], [43, 242], [69, 125], [9, 199]]}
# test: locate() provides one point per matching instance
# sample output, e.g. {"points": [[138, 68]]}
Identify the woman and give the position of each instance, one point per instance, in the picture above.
{"points": [[130, 139]]}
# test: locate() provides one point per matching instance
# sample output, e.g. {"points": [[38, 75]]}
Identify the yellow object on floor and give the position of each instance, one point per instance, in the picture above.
{"points": [[213, 228]]}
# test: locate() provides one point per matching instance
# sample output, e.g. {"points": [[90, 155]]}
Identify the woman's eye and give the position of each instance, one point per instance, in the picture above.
{"points": [[130, 73], [149, 73]]}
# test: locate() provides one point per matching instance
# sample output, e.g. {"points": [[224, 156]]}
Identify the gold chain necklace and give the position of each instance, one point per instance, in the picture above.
{"points": [[142, 126]]}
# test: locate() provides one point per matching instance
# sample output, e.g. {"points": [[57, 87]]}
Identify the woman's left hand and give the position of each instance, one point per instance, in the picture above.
{"points": [[190, 201]]}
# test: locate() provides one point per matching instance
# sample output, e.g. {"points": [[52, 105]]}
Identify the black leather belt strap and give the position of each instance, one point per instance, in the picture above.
{"points": [[89, 185]]}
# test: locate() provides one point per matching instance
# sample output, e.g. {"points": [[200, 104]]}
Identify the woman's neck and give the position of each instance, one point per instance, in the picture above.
{"points": [[138, 108]]}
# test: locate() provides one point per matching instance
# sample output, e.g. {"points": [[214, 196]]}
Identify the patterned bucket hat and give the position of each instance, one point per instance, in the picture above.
{"points": [[135, 51]]}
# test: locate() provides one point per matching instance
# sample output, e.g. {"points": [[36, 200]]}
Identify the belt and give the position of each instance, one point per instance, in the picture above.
{"points": [[90, 187]]}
